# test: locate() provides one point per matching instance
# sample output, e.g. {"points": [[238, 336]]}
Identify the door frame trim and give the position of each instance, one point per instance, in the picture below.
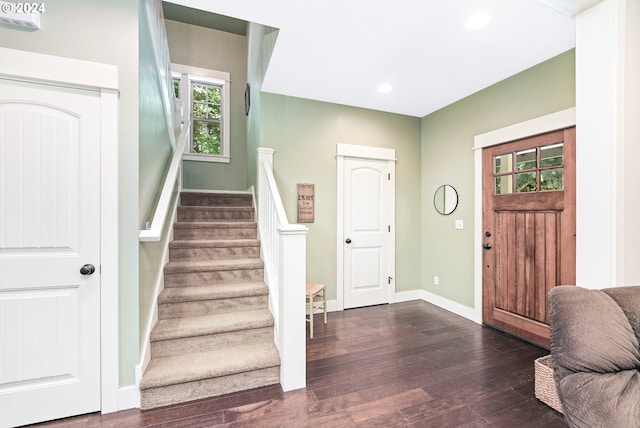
{"points": [[369, 153], [551, 122], [102, 78]]}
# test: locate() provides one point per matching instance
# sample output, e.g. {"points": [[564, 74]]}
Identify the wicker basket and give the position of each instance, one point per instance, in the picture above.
{"points": [[545, 385]]}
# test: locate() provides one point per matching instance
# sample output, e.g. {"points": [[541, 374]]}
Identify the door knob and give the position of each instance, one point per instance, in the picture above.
{"points": [[87, 269], [348, 241], [487, 246]]}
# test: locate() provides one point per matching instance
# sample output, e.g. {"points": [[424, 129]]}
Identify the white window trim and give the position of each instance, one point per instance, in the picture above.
{"points": [[189, 74]]}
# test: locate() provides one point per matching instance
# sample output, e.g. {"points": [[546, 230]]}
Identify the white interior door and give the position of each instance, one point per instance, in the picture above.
{"points": [[367, 228], [49, 229]]}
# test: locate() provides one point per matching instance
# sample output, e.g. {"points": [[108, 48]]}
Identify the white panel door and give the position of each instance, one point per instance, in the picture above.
{"points": [[49, 229], [366, 231]]}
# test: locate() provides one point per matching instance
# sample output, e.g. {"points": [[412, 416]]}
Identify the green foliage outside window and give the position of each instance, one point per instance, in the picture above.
{"points": [[527, 170], [207, 116], [176, 88]]}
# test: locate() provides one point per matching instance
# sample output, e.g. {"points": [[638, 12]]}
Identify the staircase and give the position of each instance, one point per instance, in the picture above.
{"points": [[214, 333]]}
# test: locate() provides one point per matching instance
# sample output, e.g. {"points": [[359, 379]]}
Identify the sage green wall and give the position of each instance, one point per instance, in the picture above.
{"points": [[260, 43], [448, 158], [105, 32], [155, 154], [304, 134], [215, 50]]}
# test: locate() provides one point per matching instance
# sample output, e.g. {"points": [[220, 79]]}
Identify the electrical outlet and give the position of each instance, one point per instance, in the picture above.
{"points": [[436, 280]]}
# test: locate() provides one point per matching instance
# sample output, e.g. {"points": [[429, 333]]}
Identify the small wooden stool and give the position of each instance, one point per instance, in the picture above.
{"points": [[316, 299]]}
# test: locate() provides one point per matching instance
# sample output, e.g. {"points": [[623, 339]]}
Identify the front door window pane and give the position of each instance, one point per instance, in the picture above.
{"points": [[552, 155], [503, 163], [526, 182], [526, 159], [504, 184], [552, 179]]}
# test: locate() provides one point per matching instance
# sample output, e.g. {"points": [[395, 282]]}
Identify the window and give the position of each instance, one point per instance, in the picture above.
{"points": [[538, 169], [205, 97]]}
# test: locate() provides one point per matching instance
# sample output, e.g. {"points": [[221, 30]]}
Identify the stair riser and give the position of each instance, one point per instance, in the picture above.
{"points": [[213, 253], [207, 307], [173, 394], [216, 200], [214, 233], [212, 277], [188, 345], [189, 214]]}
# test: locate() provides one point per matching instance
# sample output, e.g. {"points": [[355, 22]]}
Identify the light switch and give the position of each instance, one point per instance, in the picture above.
{"points": [[459, 224]]}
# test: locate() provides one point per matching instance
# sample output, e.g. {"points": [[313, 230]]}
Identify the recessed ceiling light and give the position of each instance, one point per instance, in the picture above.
{"points": [[477, 20], [385, 87]]}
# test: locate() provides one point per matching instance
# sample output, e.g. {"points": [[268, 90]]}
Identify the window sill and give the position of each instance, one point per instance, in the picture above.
{"points": [[206, 158]]}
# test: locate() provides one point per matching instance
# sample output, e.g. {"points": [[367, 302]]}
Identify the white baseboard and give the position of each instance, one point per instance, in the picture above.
{"points": [[407, 296], [451, 306], [442, 302], [333, 306], [128, 398]]}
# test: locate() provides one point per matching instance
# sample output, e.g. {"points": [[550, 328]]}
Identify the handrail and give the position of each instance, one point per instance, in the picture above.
{"points": [[159, 218]]}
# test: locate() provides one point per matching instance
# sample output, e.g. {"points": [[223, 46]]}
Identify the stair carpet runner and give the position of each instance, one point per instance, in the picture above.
{"points": [[214, 333]]}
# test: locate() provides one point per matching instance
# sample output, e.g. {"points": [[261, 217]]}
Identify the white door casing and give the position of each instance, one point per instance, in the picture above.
{"points": [[42, 294], [366, 229]]}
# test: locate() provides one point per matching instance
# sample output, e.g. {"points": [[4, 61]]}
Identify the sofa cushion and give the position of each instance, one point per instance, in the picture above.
{"points": [[590, 332], [597, 400], [596, 354], [628, 298]]}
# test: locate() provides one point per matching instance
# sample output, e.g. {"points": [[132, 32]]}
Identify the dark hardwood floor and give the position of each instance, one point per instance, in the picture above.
{"points": [[403, 365]]}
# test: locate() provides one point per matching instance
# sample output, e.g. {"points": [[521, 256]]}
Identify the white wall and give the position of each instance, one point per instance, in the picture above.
{"points": [[608, 203]]}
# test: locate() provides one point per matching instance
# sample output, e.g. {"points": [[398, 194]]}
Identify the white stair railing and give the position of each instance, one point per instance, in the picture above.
{"points": [[171, 185], [284, 253]]}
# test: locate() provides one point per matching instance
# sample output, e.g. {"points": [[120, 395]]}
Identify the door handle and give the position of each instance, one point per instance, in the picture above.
{"points": [[487, 246], [87, 269], [348, 241]]}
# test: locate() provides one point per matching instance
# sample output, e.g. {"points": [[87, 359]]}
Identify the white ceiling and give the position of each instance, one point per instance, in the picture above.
{"points": [[340, 51]]}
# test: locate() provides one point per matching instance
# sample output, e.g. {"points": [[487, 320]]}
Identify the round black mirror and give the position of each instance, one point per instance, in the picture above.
{"points": [[445, 199]]}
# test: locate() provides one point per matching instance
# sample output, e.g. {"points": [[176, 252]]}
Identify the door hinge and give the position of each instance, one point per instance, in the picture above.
{"points": [[389, 280], [389, 228], [389, 176]]}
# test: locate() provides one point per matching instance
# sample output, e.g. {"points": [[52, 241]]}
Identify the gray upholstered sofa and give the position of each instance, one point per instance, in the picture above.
{"points": [[595, 346]]}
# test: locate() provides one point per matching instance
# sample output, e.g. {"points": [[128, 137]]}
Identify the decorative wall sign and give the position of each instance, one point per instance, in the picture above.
{"points": [[306, 195]]}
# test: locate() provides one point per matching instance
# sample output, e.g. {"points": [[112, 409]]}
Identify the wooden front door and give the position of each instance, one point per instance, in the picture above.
{"points": [[528, 230]]}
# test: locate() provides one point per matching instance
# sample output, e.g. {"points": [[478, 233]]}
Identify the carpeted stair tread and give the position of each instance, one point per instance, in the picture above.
{"points": [[214, 225], [214, 333], [211, 324], [203, 365], [210, 208], [214, 214], [215, 243], [212, 265], [210, 292], [215, 199]]}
